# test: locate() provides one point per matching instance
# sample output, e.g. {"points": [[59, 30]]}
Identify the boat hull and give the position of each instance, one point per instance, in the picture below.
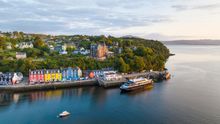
{"points": [[62, 116], [132, 88]]}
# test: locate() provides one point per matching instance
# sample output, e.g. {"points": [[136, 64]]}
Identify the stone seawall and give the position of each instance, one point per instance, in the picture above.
{"points": [[49, 86]]}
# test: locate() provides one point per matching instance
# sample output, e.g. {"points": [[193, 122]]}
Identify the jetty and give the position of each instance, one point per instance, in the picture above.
{"points": [[154, 75]]}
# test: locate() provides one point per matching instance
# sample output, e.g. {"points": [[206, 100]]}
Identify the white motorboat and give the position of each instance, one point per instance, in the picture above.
{"points": [[64, 114]]}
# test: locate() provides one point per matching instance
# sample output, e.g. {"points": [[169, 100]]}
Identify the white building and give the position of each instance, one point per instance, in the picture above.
{"points": [[63, 52], [21, 55], [51, 47], [82, 51], [24, 45]]}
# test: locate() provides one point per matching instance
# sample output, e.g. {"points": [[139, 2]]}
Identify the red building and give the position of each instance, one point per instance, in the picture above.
{"points": [[36, 76]]}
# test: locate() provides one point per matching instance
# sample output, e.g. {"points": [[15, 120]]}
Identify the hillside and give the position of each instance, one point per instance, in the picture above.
{"points": [[130, 54]]}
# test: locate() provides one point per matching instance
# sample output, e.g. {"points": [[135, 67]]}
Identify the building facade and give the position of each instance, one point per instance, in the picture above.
{"points": [[36, 76], [98, 51], [21, 55], [24, 45], [52, 75], [70, 74]]}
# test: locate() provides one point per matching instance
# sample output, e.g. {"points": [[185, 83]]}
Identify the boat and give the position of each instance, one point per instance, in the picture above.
{"points": [[64, 114], [136, 83], [110, 78]]}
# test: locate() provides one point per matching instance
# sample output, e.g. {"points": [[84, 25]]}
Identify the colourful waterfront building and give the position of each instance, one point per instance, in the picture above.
{"points": [[47, 76], [70, 74], [59, 75], [52, 75], [36, 76], [67, 74], [56, 75]]}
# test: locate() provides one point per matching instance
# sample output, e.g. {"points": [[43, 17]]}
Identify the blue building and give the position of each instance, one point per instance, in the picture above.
{"points": [[67, 74], [71, 74]]}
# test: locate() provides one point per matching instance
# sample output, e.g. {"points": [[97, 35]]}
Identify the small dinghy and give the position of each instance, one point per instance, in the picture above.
{"points": [[64, 114]]}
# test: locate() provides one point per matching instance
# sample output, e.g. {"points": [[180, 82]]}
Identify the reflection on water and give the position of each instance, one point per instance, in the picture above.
{"points": [[98, 95]]}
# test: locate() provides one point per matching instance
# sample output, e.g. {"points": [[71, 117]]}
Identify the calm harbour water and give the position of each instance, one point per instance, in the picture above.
{"points": [[191, 96]]}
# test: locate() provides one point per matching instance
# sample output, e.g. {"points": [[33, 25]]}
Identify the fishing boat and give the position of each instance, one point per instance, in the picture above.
{"points": [[64, 114], [136, 83]]}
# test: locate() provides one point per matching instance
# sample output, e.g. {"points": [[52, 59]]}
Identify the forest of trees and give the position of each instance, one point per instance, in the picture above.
{"points": [[137, 55]]}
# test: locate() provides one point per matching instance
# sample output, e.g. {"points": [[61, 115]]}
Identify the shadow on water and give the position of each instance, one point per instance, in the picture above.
{"points": [[137, 92]]}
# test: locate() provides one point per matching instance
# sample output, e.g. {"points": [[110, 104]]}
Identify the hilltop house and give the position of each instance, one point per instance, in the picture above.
{"points": [[51, 47], [21, 55], [82, 51], [24, 45], [61, 49]]}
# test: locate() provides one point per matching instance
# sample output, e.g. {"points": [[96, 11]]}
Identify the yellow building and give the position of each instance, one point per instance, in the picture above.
{"points": [[47, 76], [52, 75], [59, 75]]}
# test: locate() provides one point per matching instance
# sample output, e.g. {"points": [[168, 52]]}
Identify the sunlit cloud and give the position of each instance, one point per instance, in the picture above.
{"points": [[109, 17]]}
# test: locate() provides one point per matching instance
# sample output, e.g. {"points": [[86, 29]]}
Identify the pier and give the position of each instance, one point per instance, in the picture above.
{"points": [[155, 75]]}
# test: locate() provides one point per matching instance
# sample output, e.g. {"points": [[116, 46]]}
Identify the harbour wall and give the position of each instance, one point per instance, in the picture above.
{"points": [[24, 87], [48, 86]]}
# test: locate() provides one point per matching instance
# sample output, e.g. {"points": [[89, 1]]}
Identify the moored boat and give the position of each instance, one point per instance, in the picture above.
{"points": [[135, 84], [64, 114]]}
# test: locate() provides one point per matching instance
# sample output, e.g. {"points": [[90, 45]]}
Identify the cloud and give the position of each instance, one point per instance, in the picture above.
{"points": [[205, 7], [180, 7], [196, 7], [69, 16], [95, 16]]}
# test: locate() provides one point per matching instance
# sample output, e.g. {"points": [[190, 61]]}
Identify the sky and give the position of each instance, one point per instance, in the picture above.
{"points": [[152, 19]]}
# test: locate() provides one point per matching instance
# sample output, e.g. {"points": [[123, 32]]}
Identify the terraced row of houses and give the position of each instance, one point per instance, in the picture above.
{"points": [[54, 75]]}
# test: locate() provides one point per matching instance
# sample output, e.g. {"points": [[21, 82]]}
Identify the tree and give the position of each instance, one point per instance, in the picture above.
{"points": [[38, 43], [139, 64], [123, 67], [143, 51], [3, 43], [70, 49]]}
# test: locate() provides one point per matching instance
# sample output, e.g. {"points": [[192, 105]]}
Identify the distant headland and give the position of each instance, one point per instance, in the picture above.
{"points": [[193, 42]]}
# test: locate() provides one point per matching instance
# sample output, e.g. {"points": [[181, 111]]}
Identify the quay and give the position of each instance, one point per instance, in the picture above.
{"points": [[24, 87], [50, 86]]}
